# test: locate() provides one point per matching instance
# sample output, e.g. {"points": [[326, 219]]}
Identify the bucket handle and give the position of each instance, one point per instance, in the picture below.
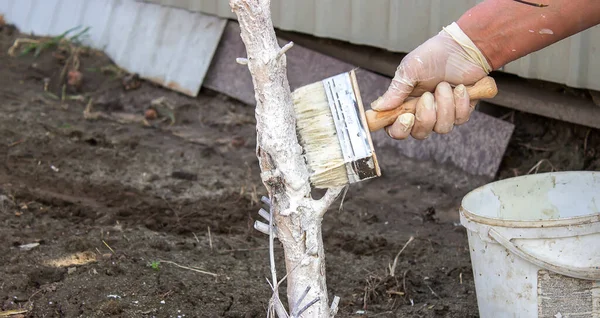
{"points": [[586, 273]]}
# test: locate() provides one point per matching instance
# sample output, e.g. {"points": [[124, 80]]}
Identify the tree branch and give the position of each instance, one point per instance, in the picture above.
{"points": [[327, 200]]}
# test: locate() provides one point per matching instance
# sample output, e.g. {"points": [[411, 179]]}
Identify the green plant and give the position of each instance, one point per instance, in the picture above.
{"points": [[155, 265], [37, 46]]}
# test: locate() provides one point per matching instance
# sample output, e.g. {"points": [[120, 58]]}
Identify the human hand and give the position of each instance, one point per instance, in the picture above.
{"points": [[448, 59]]}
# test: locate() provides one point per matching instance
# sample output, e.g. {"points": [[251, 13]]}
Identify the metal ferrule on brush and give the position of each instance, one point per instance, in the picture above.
{"points": [[352, 132], [334, 133]]}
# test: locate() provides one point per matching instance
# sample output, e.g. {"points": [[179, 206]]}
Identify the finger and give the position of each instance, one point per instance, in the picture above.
{"points": [[400, 129], [462, 104], [444, 101], [472, 105], [425, 115], [399, 89]]}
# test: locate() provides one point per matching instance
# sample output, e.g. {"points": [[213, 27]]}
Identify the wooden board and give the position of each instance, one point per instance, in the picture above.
{"points": [[477, 147]]}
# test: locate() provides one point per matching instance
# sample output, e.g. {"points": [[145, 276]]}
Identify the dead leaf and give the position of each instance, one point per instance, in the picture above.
{"points": [[15, 313], [72, 260]]}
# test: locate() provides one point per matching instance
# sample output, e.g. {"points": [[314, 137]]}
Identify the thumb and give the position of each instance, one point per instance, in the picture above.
{"points": [[396, 94]]}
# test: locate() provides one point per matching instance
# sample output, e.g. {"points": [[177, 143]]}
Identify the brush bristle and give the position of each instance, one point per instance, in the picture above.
{"points": [[318, 136]]}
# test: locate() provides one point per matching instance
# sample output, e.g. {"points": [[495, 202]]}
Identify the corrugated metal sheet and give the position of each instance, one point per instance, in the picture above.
{"points": [[169, 46], [401, 25]]}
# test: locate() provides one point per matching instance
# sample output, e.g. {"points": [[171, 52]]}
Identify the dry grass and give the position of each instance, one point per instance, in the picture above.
{"points": [[62, 41]]}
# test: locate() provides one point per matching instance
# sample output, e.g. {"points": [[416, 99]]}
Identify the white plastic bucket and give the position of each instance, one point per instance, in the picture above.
{"points": [[535, 245]]}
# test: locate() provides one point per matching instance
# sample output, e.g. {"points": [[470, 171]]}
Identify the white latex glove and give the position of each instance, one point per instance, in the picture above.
{"points": [[431, 70]]}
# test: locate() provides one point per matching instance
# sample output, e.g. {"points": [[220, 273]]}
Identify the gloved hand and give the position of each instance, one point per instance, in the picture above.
{"points": [[448, 59]]}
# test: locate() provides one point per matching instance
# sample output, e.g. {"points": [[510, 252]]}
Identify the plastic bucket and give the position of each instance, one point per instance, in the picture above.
{"points": [[535, 245]]}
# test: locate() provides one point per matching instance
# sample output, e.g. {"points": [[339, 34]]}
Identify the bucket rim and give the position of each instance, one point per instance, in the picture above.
{"points": [[578, 220]]}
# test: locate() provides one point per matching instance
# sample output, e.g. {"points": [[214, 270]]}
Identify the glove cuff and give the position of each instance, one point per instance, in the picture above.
{"points": [[470, 48]]}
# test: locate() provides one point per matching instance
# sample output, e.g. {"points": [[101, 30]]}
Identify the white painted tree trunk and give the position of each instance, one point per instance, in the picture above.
{"points": [[297, 216]]}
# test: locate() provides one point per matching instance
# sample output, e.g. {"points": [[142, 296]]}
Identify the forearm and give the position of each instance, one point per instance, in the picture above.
{"points": [[505, 30]]}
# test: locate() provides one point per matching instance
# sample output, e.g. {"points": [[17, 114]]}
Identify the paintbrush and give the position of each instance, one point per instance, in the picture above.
{"points": [[335, 131]]}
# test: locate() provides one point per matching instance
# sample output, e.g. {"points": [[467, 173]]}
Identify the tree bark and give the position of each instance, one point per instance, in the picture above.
{"points": [[285, 175]]}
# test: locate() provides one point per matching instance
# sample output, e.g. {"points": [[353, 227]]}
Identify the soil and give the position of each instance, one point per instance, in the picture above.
{"points": [[104, 213]]}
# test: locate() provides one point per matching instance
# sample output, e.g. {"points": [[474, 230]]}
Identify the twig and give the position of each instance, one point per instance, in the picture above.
{"points": [[16, 143], [63, 94], [528, 146], [393, 267], [196, 237], [275, 297], [271, 249], [382, 313], [296, 310], [434, 294], [275, 303], [343, 198], [585, 140], [109, 247], [244, 249], [515, 172], [509, 114], [365, 296], [536, 167], [404, 281], [209, 239], [284, 49], [190, 268], [165, 295], [35, 293], [314, 301]]}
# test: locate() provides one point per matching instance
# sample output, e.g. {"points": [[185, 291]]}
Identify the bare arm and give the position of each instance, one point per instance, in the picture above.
{"points": [[485, 38], [505, 30]]}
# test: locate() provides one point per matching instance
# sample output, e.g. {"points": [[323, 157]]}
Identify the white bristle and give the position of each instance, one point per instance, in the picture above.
{"points": [[318, 136]]}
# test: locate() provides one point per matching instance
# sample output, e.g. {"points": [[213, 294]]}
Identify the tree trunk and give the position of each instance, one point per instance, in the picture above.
{"points": [[297, 216]]}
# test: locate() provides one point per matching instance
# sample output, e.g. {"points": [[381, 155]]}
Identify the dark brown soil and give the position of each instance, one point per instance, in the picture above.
{"points": [[123, 199]]}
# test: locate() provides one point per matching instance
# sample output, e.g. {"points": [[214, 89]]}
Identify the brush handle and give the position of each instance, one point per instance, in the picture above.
{"points": [[484, 88]]}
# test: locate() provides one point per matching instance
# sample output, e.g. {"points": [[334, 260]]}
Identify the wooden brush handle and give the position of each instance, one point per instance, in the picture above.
{"points": [[484, 88]]}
